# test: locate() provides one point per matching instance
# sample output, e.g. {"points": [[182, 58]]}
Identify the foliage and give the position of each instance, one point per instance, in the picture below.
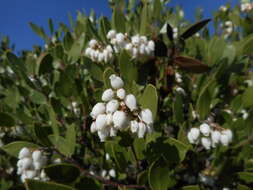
{"points": [[195, 76]]}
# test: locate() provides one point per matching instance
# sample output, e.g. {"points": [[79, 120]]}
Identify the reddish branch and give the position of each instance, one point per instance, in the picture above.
{"points": [[99, 178]]}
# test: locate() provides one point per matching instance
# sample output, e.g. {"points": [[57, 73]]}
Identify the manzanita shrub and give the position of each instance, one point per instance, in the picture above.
{"points": [[143, 100]]}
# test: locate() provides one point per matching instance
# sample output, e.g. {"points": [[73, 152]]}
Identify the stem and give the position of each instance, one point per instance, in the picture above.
{"points": [[99, 178], [135, 157]]}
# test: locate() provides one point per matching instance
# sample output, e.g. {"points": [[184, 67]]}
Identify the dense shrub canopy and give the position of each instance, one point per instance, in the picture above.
{"points": [[142, 100]]}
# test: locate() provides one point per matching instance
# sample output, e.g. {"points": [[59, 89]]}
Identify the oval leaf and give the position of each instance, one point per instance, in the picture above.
{"points": [[6, 120]]}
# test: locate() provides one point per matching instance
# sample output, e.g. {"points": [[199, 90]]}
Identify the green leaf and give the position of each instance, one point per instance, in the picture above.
{"points": [[42, 134], [128, 69], [6, 120], [96, 71], [14, 148], [242, 187], [104, 27], [51, 25], [144, 19], [53, 119], [178, 114], [247, 46], [37, 97], [46, 64], [75, 52], [107, 73], [71, 138], [38, 30], [139, 148], [88, 183], [118, 20], [204, 101], [149, 99], [194, 29], [61, 144], [68, 41], [191, 187], [246, 176], [62, 173], [181, 147], [158, 177], [39, 185], [65, 86], [247, 99]]}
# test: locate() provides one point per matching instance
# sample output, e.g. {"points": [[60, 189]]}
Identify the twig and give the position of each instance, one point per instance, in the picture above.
{"points": [[99, 178]]}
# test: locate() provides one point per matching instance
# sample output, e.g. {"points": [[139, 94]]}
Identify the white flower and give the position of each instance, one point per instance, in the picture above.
{"points": [[116, 82], [228, 24], [205, 129], [108, 95], [36, 155], [37, 165], [93, 127], [134, 126], [113, 132], [112, 173], [226, 137], [93, 43], [99, 108], [135, 40], [120, 119], [112, 106], [30, 174], [27, 163], [151, 45], [195, 133], [111, 34], [103, 134], [146, 116], [131, 102], [120, 38], [141, 130], [24, 152], [101, 121], [215, 136], [109, 120], [129, 46], [121, 93], [206, 142]]}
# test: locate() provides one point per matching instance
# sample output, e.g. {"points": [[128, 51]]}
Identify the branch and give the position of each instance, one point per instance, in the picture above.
{"points": [[99, 178]]}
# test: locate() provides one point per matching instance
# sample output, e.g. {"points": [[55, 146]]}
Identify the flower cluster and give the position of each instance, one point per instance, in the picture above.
{"points": [[119, 111], [246, 7], [97, 52], [136, 45], [30, 165], [209, 137]]}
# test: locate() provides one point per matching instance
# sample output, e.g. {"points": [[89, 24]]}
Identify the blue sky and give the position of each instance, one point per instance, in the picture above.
{"points": [[16, 14]]}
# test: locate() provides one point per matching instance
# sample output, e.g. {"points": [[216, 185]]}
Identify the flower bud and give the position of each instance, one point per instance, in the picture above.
{"points": [[93, 127], [226, 137], [30, 174], [101, 121], [121, 93], [190, 138], [116, 82], [215, 136], [120, 38], [131, 102], [103, 134], [27, 163], [205, 129], [195, 133], [141, 130], [93, 43], [134, 126], [24, 152], [36, 155], [135, 40], [43, 174], [37, 165], [108, 95], [120, 119], [151, 45], [146, 116], [113, 132], [112, 106], [112, 173], [99, 108], [111, 34], [206, 142], [109, 120]]}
